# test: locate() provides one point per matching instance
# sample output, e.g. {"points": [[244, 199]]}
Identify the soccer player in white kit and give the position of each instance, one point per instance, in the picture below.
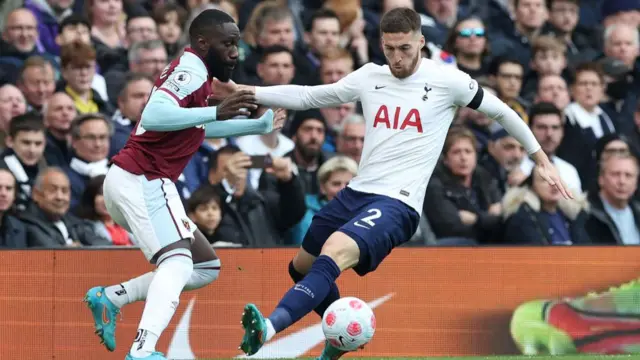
{"points": [[409, 106]]}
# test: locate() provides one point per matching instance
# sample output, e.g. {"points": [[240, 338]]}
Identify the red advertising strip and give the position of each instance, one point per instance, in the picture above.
{"points": [[428, 301]]}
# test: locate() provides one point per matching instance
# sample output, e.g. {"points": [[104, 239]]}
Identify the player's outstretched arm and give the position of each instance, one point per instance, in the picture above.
{"points": [[266, 123], [163, 112], [493, 107], [296, 97]]}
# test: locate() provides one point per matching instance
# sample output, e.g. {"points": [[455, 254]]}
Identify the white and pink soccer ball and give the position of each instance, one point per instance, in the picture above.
{"points": [[348, 323]]}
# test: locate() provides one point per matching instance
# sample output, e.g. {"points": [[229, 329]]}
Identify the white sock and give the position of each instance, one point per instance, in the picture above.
{"points": [[163, 297], [136, 289], [271, 332], [129, 291]]}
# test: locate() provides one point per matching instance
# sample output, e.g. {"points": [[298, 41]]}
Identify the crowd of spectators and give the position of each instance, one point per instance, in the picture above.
{"points": [[75, 76]]}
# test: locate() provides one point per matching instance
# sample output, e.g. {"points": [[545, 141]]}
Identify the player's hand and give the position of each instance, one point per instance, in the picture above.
{"points": [[279, 118], [240, 103], [467, 217], [220, 90], [237, 167], [281, 168], [548, 173]]}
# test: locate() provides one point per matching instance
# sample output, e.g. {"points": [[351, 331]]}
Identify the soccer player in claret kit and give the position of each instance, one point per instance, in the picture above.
{"points": [[409, 106], [139, 190]]}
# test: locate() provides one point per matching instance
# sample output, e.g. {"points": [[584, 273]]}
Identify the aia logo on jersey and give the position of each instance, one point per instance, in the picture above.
{"points": [[409, 119]]}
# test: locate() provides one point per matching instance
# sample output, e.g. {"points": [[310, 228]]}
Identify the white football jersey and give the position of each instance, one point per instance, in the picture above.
{"points": [[407, 121]]}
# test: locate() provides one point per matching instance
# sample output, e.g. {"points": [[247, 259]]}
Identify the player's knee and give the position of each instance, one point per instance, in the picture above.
{"points": [[204, 273], [294, 273], [302, 262], [342, 249], [178, 262]]}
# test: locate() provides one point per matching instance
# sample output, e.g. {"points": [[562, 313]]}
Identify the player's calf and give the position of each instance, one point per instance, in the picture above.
{"points": [[333, 295], [203, 274], [339, 252], [175, 268]]}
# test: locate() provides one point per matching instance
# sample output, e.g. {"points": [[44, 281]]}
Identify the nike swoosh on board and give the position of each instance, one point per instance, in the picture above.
{"points": [[180, 348], [300, 342]]}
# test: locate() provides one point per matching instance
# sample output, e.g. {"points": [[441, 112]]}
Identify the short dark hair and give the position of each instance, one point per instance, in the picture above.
{"points": [[400, 20], [551, 2], [26, 122], [137, 15], [72, 20], [275, 49], [130, 78], [81, 119], [497, 62], [588, 67], [160, 13], [86, 209], [206, 20], [543, 108], [227, 149], [322, 13], [203, 195]]}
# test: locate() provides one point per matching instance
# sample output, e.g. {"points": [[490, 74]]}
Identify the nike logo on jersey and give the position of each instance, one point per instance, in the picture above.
{"points": [[378, 87]]}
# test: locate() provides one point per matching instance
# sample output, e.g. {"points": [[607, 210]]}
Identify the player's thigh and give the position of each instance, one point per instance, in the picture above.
{"points": [[153, 211], [111, 193], [201, 249], [380, 227], [324, 223]]}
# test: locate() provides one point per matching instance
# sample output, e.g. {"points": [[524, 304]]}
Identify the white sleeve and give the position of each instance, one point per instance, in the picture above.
{"points": [[509, 119], [466, 92], [462, 88], [295, 97]]}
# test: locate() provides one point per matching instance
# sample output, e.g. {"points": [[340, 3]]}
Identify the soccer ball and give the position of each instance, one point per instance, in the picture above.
{"points": [[348, 323]]}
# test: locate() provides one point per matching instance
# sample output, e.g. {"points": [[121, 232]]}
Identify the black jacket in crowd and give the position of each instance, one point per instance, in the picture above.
{"points": [[260, 218], [525, 225], [446, 196], [600, 227], [43, 233]]}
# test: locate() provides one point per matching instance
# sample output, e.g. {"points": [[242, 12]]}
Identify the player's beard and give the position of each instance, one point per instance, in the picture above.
{"points": [[218, 67], [406, 71]]}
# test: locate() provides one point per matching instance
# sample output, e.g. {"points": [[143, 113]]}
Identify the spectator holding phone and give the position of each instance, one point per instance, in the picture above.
{"points": [[250, 217], [273, 143]]}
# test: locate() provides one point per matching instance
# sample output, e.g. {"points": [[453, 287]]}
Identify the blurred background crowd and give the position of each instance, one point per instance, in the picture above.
{"points": [[75, 76]]}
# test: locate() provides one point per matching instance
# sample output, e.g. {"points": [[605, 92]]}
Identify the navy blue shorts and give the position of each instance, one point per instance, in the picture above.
{"points": [[377, 223]]}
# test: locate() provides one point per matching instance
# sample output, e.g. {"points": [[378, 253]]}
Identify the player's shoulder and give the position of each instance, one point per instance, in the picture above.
{"points": [[445, 72], [446, 75], [190, 62], [187, 68], [369, 69]]}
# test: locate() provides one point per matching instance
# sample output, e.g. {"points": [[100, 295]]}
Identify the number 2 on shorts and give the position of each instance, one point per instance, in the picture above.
{"points": [[375, 214]]}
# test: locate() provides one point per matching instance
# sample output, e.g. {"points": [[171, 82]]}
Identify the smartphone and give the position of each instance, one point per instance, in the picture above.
{"points": [[261, 161]]}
